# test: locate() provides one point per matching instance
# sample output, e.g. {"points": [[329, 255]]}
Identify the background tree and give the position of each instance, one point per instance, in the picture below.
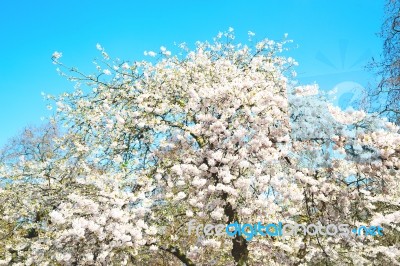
{"points": [[388, 68], [34, 145]]}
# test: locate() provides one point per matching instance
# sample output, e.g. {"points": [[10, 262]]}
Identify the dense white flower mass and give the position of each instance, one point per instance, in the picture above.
{"points": [[217, 134]]}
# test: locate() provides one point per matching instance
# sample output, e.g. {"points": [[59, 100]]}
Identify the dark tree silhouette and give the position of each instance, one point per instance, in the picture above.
{"points": [[388, 67]]}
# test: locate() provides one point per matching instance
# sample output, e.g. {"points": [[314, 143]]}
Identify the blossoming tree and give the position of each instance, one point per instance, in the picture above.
{"points": [[216, 134]]}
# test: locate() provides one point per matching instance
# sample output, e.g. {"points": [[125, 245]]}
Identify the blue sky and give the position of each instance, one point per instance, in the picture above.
{"points": [[335, 39]]}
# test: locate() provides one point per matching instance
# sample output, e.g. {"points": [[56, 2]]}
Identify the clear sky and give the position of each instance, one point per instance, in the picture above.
{"points": [[336, 39]]}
